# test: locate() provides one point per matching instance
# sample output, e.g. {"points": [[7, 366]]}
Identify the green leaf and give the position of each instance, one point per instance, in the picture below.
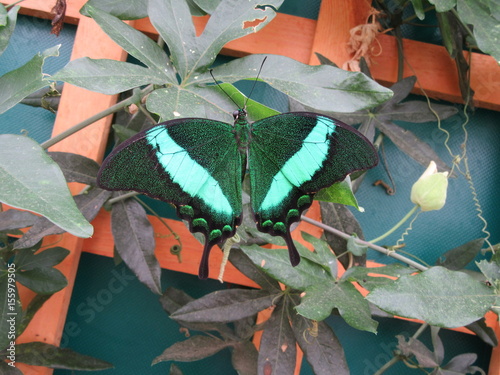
{"points": [[76, 168], [19, 83], [490, 270], [325, 256], [486, 26], [256, 110], [243, 263], [191, 54], [275, 262], [33, 181], [277, 351], [191, 101], [7, 369], [419, 9], [193, 349], [320, 87], [174, 370], [323, 351], [7, 25], [106, 76], [340, 217], [355, 248], [14, 219], [244, 358], [42, 280], [372, 277], [42, 354], [124, 10], [340, 192], [173, 299], [226, 306], [89, 205], [443, 5], [135, 243], [438, 296], [26, 259], [135, 43], [320, 299], [35, 304], [457, 258]]}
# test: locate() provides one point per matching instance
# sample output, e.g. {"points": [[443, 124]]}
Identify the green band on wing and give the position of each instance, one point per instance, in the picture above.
{"points": [[302, 166], [183, 170]]}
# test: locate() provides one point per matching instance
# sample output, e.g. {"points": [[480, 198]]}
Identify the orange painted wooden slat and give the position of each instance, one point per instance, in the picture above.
{"points": [[437, 73], [335, 20], [76, 105], [102, 244]]}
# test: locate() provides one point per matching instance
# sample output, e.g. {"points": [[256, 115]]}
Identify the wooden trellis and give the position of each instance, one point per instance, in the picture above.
{"points": [[286, 35]]}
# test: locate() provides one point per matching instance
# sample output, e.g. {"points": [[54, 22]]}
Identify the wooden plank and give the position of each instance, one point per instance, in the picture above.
{"points": [[102, 244], [76, 105], [333, 32], [285, 35], [437, 73]]}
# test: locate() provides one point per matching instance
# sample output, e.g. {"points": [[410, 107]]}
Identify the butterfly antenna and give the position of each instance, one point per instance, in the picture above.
{"points": [[255, 81], [217, 83]]}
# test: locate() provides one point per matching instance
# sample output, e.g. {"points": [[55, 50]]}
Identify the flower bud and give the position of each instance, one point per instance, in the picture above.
{"points": [[429, 192]]}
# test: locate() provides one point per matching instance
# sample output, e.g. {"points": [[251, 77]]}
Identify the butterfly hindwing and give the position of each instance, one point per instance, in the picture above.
{"points": [[293, 156], [192, 163]]}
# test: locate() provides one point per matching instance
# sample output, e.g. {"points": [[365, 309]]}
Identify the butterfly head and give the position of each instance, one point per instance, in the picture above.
{"points": [[239, 114]]}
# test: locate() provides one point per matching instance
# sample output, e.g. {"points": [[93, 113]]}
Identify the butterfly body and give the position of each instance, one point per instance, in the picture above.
{"points": [[199, 164]]}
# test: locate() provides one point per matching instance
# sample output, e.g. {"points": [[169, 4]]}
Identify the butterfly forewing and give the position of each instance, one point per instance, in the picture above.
{"points": [[194, 164], [294, 155]]}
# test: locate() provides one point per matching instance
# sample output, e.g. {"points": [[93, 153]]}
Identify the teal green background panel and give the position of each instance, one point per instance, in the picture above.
{"points": [[31, 36]]}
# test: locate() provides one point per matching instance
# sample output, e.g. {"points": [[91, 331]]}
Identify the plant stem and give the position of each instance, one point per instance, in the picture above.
{"points": [[380, 249], [401, 222], [122, 197], [136, 97]]}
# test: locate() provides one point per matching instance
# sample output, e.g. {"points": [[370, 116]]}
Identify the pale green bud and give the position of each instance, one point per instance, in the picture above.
{"points": [[429, 192]]}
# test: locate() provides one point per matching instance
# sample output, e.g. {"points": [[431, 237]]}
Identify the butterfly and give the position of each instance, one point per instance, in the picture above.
{"points": [[198, 165]]}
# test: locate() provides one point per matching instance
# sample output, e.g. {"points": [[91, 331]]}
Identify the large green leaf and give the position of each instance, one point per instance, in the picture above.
{"points": [[7, 25], [226, 306], [106, 76], [192, 54], [125, 10], [276, 263], [438, 296], [277, 351], [26, 259], [320, 299], [321, 87], [135, 243], [19, 83], [443, 5], [192, 349], [323, 351], [44, 280], [135, 43], [31, 180], [89, 205], [485, 17], [43, 354]]}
